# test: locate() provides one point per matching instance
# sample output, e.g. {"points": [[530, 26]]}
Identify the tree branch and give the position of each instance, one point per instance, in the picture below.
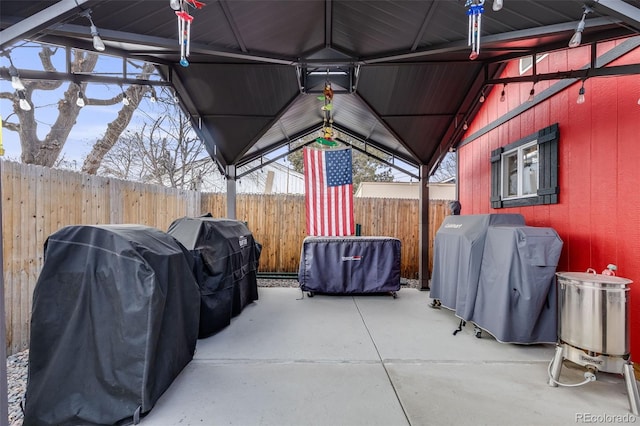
{"points": [[11, 126]]}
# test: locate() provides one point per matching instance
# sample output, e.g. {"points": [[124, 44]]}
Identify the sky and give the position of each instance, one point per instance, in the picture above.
{"points": [[92, 120]]}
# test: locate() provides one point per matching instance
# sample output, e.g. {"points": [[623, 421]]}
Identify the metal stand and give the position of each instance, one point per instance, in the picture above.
{"points": [[604, 363], [556, 365], [632, 388]]}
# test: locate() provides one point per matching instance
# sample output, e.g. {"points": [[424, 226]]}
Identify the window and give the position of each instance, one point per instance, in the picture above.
{"points": [[520, 171], [526, 63], [525, 173]]}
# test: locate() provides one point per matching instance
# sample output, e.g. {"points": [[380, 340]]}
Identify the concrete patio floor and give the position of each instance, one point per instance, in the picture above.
{"points": [[373, 360]]}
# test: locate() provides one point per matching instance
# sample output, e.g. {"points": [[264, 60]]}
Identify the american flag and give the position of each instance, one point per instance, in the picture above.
{"points": [[328, 192]]}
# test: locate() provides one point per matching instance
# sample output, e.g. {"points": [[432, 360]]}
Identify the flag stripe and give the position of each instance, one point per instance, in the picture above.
{"points": [[329, 202]]}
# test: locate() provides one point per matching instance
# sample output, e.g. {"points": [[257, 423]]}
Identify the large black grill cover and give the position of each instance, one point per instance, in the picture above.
{"points": [[350, 264], [114, 320], [227, 258], [457, 256], [516, 299]]}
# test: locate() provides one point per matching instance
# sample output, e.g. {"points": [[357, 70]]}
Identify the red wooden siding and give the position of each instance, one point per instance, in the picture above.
{"points": [[598, 216]]}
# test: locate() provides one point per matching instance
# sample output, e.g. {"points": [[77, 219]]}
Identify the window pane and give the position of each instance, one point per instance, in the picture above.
{"points": [[530, 170], [510, 175]]}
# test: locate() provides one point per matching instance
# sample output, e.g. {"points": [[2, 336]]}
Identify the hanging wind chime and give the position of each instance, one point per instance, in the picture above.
{"points": [[326, 137], [184, 26], [475, 11]]}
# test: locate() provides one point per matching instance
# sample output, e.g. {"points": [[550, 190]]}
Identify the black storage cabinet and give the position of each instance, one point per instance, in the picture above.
{"points": [[114, 320], [227, 259], [342, 265]]}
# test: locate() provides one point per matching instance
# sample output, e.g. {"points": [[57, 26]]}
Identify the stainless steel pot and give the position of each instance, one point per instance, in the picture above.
{"points": [[593, 312]]}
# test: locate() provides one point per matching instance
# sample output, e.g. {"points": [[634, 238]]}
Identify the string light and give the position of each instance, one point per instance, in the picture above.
{"points": [[24, 103], [532, 92], [581, 97], [497, 5], [153, 99], [80, 101], [502, 94], [576, 39], [482, 98], [125, 98], [465, 126], [16, 83], [98, 44]]}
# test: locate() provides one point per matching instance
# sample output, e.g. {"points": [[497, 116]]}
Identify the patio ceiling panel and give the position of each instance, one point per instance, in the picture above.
{"points": [[423, 133], [281, 28], [370, 27], [418, 106], [238, 103], [303, 114]]}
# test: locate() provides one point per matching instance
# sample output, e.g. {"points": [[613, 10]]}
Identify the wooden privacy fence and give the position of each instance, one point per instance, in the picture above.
{"points": [[278, 223], [38, 201]]}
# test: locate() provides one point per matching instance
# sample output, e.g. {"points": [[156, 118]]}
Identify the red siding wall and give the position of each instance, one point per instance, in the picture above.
{"points": [[598, 216]]}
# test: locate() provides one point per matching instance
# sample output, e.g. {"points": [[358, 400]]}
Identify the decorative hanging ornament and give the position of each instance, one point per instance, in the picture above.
{"points": [[475, 11], [184, 26]]}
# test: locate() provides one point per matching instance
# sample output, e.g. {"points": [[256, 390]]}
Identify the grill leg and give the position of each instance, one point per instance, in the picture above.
{"points": [[556, 365], [632, 388]]}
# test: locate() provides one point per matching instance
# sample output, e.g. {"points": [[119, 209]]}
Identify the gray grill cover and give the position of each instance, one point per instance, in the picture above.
{"points": [[350, 264], [114, 320], [226, 257], [516, 299], [458, 248]]}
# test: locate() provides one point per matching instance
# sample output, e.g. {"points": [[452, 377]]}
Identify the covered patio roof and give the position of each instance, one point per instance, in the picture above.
{"points": [[401, 71]]}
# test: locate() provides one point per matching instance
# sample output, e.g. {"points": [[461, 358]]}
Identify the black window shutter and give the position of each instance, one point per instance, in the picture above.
{"points": [[548, 157], [496, 199], [548, 189]]}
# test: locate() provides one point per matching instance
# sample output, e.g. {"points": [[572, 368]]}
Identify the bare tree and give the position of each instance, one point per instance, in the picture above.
{"points": [[447, 169], [46, 151], [163, 151], [135, 93]]}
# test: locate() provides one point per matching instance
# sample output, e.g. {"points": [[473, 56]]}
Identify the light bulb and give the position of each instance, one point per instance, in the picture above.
{"points": [[125, 99], [576, 39], [98, 44], [80, 101], [175, 4], [24, 103], [581, 98], [465, 126], [482, 98], [497, 5], [16, 83], [531, 93], [502, 95], [638, 101], [153, 98]]}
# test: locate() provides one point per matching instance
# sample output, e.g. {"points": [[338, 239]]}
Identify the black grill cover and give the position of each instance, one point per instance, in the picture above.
{"points": [[457, 256], [114, 320], [344, 265], [227, 258]]}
